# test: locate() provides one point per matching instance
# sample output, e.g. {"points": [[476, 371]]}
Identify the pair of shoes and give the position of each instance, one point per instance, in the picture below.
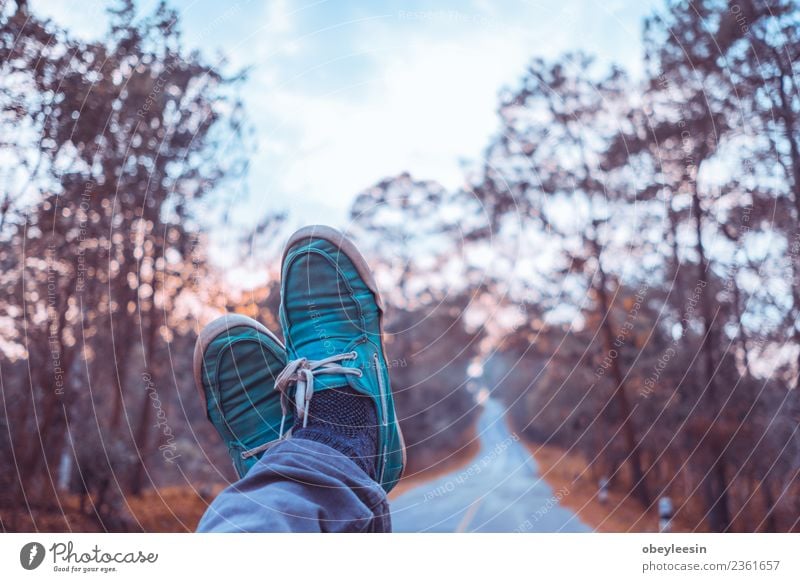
{"points": [[257, 391]]}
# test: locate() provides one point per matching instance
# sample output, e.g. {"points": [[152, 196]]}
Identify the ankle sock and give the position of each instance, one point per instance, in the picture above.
{"points": [[345, 420]]}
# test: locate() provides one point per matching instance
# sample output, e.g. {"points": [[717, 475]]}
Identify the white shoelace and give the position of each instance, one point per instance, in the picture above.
{"points": [[301, 373]]}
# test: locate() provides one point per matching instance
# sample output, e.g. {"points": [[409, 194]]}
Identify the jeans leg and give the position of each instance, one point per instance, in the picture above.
{"points": [[300, 486]]}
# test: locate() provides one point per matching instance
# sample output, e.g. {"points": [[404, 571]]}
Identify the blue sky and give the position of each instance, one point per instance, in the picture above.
{"points": [[344, 93]]}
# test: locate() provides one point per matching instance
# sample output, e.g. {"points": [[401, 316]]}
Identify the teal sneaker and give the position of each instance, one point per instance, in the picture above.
{"points": [[236, 362], [331, 314]]}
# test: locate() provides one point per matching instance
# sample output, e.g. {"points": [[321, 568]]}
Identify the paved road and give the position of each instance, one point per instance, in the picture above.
{"points": [[499, 491]]}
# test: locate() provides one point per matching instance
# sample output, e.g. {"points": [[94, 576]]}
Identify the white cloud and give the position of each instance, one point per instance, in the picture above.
{"points": [[425, 102]]}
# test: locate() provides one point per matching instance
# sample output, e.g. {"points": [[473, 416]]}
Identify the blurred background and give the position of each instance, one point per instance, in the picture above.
{"points": [[584, 217]]}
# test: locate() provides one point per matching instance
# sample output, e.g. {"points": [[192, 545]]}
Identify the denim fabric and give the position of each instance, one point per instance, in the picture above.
{"points": [[300, 486]]}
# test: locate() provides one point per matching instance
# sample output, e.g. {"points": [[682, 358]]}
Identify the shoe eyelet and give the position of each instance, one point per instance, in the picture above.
{"points": [[360, 374], [353, 355]]}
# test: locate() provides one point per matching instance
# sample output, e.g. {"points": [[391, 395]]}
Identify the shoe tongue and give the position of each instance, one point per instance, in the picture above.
{"points": [[324, 333], [324, 379], [328, 381]]}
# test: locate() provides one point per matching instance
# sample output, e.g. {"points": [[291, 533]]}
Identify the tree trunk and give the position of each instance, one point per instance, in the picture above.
{"points": [[716, 491], [678, 288], [741, 334], [121, 369], [50, 423], [620, 396], [144, 427], [787, 113], [770, 523]]}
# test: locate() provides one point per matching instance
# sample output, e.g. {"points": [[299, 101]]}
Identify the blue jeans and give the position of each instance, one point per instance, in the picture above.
{"points": [[300, 485]]}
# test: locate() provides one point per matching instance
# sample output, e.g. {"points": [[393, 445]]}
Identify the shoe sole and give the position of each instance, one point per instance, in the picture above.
{"points": [[210, 332], [338, 239]]}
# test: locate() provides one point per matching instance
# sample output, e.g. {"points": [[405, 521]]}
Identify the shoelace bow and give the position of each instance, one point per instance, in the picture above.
{"points": [[301, 373]]}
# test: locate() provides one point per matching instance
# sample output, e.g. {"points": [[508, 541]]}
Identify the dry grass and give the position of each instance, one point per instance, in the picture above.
{"points": [[171, 509], [48, 517], [178, 509], [620, 513]]}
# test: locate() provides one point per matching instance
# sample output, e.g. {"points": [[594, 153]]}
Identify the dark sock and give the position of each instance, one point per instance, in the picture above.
{"points": [[344, 420]]}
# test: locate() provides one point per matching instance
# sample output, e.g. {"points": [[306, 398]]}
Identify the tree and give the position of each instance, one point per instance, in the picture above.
{"points": [[547, 168], [697, 109], [119, 138], [414, 233]]}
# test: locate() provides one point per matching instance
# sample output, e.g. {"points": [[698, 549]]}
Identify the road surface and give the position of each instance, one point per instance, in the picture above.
{"points": [[500, 490]]}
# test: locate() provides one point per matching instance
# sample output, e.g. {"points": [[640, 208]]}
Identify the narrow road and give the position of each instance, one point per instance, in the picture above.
{"points": [[499, 491]]}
